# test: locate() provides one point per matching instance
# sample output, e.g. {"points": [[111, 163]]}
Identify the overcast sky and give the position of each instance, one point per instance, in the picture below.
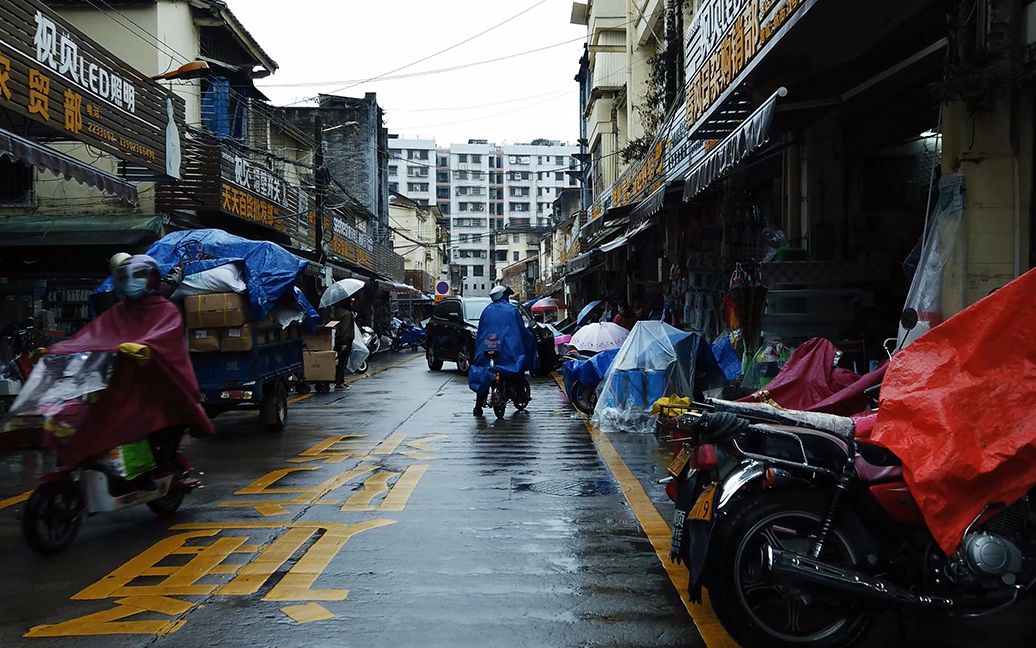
{"points": [[509, 101]]}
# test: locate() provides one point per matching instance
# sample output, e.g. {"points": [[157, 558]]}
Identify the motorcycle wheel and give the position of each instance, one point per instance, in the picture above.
{"points": [[757, 612], [396, 346], [523, 395], [583, 398], [167, 505], [364, 366], [52, 517], [500, 409]]}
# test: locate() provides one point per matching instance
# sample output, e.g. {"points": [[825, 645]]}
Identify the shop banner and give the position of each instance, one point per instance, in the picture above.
{"points": [[726, 39], [52, 74]]}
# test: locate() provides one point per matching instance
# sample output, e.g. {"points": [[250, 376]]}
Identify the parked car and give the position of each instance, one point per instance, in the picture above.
{"points": [[452, 329]]}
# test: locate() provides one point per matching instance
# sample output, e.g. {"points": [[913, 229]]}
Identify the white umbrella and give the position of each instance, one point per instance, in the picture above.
{"points": [[340, 290], [599, 336]]}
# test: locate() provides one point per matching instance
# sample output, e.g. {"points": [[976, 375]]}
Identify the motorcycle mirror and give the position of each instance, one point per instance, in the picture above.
{"points": [[908, 320], [453, 316]]}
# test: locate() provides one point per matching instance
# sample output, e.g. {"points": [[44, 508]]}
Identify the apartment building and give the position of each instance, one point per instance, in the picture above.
{"points": [[411, 169], [498, 198]]}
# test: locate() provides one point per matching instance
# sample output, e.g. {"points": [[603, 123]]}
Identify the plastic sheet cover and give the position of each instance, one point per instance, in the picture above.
{"points": [[139, 399], [958, 406], [270, 270], [656, 360]]}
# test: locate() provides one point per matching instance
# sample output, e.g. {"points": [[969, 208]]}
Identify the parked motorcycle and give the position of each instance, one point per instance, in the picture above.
{"points": [[582, 373], [408, 335], [20, 340], [507, 387], [372, 341], [803, 531]]}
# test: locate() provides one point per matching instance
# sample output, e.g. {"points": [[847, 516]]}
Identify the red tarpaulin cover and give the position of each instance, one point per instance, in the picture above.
{"points": [[140, 398], [808, 377], [958, 406]]}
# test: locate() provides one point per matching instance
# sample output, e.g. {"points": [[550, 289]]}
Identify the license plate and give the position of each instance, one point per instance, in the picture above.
{"points": [[703, 507], [677, 538], [678, 463]]}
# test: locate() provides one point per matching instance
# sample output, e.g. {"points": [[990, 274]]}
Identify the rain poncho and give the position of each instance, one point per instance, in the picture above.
{"points": [[501, 328], [135, 398], [958, 407], [270, 271], [656, 360]]}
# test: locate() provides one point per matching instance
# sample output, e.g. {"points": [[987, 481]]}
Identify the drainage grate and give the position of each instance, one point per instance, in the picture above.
{"points": [[572, 487]]}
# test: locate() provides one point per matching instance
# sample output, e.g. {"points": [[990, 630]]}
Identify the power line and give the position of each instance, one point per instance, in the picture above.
{"points": [[465, 66], [352, 84], [485, 105]]}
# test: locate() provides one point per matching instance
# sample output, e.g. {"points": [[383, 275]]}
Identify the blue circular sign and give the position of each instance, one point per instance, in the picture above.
{"points": [[442, 288]]}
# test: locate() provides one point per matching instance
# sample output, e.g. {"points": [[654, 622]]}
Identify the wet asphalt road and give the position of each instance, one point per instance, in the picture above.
{"points": [[386, 515]]}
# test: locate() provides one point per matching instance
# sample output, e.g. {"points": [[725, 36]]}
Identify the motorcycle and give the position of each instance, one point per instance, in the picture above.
{"points": [[21, 340], [582, 373], [114, 414], [372, 341], [408, 335], [507, 387], [803, 531]]}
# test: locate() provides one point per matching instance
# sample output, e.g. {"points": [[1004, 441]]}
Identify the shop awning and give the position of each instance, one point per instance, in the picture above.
{"points": [[396, 286], [58, 163], [650, 205], [555, 287], [625, 238], [88, 229], [739, 144]]}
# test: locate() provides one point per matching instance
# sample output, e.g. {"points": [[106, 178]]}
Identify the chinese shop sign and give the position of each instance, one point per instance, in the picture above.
{"points": [[52, 74]]}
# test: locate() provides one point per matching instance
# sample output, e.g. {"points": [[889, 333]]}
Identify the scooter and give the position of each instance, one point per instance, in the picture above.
{"points": [[21, 340], [408, 335], [583, 372], [506, 387], [58, 398]]}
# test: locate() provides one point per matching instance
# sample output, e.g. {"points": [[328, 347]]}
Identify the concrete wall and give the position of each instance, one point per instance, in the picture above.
{"points": [[994, 152]]}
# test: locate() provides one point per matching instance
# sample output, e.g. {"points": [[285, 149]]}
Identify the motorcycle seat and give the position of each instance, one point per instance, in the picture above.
{"points": [[839, 426]]}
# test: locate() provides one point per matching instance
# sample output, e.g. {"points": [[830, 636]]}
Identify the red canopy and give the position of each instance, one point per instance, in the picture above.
{"points": [[958, 406], [140, 398], [547, 304]]}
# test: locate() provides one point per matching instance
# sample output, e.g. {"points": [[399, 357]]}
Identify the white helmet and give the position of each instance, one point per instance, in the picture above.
{"points": [[498, 293]]}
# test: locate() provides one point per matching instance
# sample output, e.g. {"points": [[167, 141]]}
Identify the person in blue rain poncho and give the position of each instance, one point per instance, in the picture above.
{"points": [[501, 329]]}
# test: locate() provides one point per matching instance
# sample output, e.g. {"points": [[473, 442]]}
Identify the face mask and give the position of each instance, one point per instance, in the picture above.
{"points": [[135, 288]]}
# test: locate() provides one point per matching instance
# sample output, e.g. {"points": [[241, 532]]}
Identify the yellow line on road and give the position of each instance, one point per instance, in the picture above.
{"points": [[17, 499], [658, 533], [296, 399]]}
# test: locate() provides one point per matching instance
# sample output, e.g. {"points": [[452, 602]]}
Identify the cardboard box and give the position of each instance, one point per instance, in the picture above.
{"points": [[322, 340], [203, 340], [216, 311], [319, 366], [236, 338]]}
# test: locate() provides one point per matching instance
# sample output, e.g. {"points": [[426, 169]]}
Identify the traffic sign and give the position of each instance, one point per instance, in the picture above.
{"points": [[439, 298], [442, 288]]}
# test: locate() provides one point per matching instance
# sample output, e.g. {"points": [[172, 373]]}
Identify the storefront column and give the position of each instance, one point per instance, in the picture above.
{"points": [[987, 149]]}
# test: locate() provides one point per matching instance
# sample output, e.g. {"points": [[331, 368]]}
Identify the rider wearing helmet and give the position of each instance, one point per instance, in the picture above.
{"points": [[501, 329], [143, 265]]}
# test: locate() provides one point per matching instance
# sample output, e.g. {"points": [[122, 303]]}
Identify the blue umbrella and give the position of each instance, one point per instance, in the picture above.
{"points": [[586, 310], [529, 303]]}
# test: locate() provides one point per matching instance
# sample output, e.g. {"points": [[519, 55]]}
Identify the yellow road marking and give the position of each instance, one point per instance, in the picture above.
{"points": [[17, 499], [659, 534], [372, 487], [399, 495], [300, 397], [307, 613]]}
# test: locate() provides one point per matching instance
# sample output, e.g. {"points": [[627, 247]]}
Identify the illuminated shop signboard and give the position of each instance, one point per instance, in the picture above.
{"points": [[52, 74], [724, 39]]}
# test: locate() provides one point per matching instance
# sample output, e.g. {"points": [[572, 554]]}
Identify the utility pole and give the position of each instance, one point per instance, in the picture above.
{"points": [[320, 177]]}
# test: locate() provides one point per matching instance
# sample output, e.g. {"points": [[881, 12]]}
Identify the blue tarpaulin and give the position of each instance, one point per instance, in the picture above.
{"points": [[501, 329], [270, 270]]}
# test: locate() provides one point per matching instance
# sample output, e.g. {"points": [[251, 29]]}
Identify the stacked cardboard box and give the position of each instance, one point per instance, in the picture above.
{"points": [[218, 322], [319, 357]]}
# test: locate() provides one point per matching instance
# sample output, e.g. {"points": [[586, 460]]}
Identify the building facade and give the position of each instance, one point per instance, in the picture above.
{"points": [[498, 199]]}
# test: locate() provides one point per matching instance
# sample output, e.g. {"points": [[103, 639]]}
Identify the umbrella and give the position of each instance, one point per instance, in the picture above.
{"points": [[340, 290], [587, 310], [599, 336], [547, 304]]}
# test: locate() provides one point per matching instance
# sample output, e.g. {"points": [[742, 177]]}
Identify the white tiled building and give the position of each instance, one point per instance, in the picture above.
{"points": [[487, 191]]}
